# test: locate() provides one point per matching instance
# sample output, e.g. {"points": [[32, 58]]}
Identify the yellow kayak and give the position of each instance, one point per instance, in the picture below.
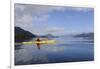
{"points": [[44, 42], [39, 42]]}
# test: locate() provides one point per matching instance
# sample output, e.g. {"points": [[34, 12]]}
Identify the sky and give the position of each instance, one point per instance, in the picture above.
{"points": [[56, 20]]}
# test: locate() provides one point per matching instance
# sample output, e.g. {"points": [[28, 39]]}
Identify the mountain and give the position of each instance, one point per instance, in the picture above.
{"points": [[22, 35], [49, 36], [86, 35]]}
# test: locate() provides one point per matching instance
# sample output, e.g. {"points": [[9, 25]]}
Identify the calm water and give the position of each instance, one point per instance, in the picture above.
{"points": [[66, 49]]}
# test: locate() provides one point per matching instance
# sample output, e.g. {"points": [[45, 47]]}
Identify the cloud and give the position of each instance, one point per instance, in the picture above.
{"points": [[40, 18], [30, 17], [79, 9], [35, 9], [55, 29]]}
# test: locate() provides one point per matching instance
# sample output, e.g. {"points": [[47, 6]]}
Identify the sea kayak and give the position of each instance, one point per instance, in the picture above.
{"points": [[39, 42], [44, 42]]}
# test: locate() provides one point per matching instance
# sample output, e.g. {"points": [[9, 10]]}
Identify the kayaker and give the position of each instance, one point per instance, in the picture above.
{"points": [[38, 40]]}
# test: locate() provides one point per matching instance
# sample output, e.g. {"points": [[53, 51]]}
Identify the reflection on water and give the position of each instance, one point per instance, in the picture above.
{"points": [[65, 50]]}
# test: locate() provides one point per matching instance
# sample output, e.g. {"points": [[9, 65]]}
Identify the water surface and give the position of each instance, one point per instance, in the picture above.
{"points": [[66, 49]]}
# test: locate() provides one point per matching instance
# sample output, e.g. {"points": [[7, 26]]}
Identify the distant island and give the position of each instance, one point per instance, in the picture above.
{"points": [[49, 36], [22, 35], [85, 35]]}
